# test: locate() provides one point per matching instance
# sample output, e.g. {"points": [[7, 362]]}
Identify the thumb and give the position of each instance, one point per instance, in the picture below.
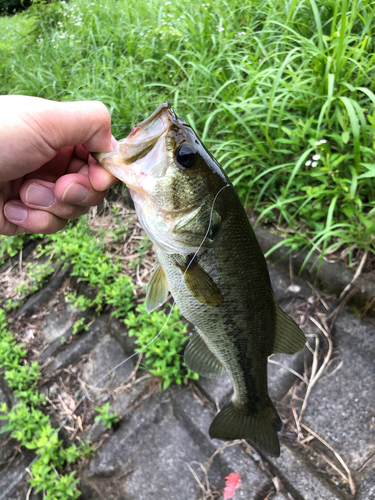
{"points": [[32, 130]]}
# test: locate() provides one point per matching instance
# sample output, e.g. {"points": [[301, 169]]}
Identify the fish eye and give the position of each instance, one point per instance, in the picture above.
{"points": [[185, 156]]}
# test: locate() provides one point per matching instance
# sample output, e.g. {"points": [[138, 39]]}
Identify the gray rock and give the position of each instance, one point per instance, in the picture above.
{"points": [[254, 483], [217, 390], [367, 490], [280, 379], [301, 479], [13, 471], [147, 457], [57, 325], [341, 406], [81, 344], [119, 331], [333, 277], [44, 294], [104, 357]]}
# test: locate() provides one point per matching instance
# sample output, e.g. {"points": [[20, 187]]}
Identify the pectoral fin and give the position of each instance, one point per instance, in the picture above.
{"points": [[200, 359], [289, 338], [157, 289], [202, 286]]}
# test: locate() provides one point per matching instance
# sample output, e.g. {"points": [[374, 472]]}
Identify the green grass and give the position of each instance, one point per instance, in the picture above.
{"points": [[261, 82], [27, 423]]}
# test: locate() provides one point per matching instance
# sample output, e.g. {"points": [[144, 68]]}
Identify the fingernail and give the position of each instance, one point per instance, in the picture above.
{"points": [[15, 212], [75, 193], [40, 195]]}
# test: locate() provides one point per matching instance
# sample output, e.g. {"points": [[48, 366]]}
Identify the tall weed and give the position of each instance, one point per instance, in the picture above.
{"points": [[282, 94]]}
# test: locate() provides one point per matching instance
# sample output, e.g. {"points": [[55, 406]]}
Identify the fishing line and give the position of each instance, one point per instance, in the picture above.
{"points": [[20, 476]]}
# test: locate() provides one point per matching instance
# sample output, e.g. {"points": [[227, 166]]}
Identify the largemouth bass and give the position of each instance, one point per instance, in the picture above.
{"points": [[209, 259]]}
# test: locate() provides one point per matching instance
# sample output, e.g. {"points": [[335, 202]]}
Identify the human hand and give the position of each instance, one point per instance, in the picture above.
{"points": [[46, 173]]}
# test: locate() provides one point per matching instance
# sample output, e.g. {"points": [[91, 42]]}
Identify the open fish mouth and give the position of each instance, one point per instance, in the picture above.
{"points": [[142, 151]]}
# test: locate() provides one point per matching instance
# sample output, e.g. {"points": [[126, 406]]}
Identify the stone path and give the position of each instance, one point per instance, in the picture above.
{"points": [[161, 448]]}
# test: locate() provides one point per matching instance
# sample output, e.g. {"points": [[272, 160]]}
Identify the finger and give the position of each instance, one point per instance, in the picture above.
{"points": [[30, 220], [83, 122], [75, 165], [100, 178], [7, 228], [77, 189], [69, 198]]}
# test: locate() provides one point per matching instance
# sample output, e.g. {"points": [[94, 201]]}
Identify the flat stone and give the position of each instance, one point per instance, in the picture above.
{"points": [[217, 390], [16, 473], [280, 379], [81, 344], [340, 407], [333, 277], [367, 490], [254, 482], [41, 297], [147, 457], [301, 479], [105, 356], [119, 331], [57, 325]]}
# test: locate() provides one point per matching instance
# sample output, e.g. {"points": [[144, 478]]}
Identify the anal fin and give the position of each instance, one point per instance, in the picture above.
{"points": [[200, 359], [289, 338], [157, 289]]}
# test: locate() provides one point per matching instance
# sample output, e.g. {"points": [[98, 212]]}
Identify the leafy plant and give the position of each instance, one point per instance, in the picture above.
{"points": [[163, 356], [105, 417], [31, 427], [37, 275], [141, 249]]}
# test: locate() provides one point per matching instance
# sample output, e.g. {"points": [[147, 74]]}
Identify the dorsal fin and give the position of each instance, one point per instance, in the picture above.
{"points": [[200, 359], [157, 289], [289, 338]]}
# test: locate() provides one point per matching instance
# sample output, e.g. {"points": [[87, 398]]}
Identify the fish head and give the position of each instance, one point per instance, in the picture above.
{"points": [[171, 177]]}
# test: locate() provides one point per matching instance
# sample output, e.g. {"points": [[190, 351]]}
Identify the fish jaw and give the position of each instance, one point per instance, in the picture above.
{"points": [[141, 156]]}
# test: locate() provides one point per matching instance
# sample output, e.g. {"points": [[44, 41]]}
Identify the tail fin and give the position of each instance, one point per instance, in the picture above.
{"points": [[262, 429]]}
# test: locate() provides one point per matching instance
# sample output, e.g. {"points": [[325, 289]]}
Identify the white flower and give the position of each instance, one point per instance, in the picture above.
{"points": [[318, 143], [316, 157], [62, 36], [167, 3], [314, 164], [220, 28], [308, 163], [242, 33]]}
